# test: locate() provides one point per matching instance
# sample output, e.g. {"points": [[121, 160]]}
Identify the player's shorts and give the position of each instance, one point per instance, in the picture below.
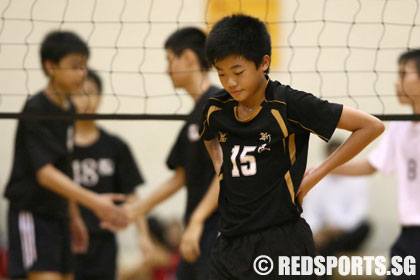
{"points": [[100, 260], [38, 243], [407, 244], [200, 269], [233, 258]]}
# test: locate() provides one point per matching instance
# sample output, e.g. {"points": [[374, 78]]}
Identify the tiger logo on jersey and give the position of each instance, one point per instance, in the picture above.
{"points": [[266, 137], [222, 137]]}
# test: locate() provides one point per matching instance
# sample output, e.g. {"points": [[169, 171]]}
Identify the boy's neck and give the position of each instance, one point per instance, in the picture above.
{"points": [[57, 96], [198, 84], [257, 98], [87, 132]]}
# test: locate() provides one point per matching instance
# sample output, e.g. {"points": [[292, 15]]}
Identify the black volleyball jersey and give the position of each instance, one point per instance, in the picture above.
{"points": [[190, 153], [106, 166], [38, 143], [264, 157]]}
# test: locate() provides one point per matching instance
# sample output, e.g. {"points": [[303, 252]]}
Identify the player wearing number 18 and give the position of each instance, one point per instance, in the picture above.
{"points": [[257, 131]]}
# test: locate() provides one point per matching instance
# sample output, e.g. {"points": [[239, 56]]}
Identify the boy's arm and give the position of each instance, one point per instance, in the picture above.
{"points": [[79, 232], [364, 127], [141, 207], [145, 240], [101, 204], [163, 192], [190, 243], [355, 168]]}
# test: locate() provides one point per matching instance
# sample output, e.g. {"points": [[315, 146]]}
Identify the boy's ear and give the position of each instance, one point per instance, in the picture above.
{"points": [[49, 67], [189, 56], [265, 64]]}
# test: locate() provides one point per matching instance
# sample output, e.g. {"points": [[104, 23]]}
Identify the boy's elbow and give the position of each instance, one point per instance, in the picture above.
{"points": [[377, 127], [42, 175]]}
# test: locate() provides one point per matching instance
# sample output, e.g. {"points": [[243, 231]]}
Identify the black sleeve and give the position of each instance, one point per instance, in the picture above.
{"points": [[207, 133], [128, 175], [177, 156], [41, 144], [312, 113]]}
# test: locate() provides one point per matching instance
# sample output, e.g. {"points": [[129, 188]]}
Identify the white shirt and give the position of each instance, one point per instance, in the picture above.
{"points": [[399, 152], [337, 201]]}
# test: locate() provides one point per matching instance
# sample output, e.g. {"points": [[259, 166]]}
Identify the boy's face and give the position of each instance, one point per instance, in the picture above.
{"points": [[240, 77], [408, 83], [177, 69], [68, 74], [87, 101]]}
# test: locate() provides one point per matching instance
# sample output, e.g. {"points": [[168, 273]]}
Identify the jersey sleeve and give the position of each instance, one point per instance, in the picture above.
{"points": [[42, 145], [177, 155], [383, 156], [207, 133], [128, 175], [312, 113]]}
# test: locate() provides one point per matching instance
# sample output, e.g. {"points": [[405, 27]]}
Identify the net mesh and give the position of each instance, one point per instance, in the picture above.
{"points": [[342, 50]]}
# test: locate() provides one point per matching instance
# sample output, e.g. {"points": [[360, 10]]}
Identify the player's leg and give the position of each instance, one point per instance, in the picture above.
{"points": [[45, 275], [407, 244], [38, 246], [202, 264], [233, 258], [101, 258], [68, 276]]}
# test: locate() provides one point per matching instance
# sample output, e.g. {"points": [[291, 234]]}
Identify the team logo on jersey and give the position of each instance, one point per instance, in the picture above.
{"points": [[193, 132], [266, 137], [106, 167], [222, 137]]}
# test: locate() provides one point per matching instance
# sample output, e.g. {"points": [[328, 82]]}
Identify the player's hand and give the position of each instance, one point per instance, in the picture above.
{"points": [[306, 184], [79, 236], [190, 241], [107, 211]]}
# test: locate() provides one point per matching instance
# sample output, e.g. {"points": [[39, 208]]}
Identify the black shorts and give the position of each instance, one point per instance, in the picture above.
{"points": [[407, 244], [200, 269], [38, 243], [233, 258], [100, 261]]}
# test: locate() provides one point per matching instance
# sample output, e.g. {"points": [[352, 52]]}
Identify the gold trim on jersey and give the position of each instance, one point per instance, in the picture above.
{"points": [[221, 177], [211, 110], [204, 128], [327, 139], [278, 101], [289, 183], [235, 111], [281, 122], [292, 148]]}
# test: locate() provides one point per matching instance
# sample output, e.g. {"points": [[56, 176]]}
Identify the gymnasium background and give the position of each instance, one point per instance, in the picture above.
{"points": [[341, 50]]}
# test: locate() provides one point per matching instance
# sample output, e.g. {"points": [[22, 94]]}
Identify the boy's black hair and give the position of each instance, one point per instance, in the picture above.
{"points": [[240, 35], [411, 55], [58, 44], [189, 38], [92, 75]]}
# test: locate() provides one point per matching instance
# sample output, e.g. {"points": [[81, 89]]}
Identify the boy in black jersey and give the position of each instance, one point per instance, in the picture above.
{"points": [[257, 132], [188, 69], [40, 186], [102, 163]]}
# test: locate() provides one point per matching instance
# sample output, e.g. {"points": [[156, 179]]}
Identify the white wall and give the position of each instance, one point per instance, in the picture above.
{"points": [[122, 28]]}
